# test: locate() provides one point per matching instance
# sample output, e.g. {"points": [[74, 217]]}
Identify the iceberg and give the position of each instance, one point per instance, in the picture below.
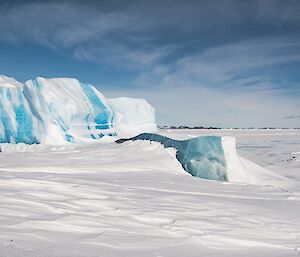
{"points": [[60, 110], [202, 157], [213, 158]]}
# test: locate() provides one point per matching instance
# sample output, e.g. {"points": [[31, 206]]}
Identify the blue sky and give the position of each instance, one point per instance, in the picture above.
{"points": [[230, 63]]}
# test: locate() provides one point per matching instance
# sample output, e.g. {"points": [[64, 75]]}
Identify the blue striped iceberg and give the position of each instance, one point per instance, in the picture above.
{"points": [[55, 111]]}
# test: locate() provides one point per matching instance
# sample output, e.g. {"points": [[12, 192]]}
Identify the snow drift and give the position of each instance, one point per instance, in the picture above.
{"points": [[55, 111]]}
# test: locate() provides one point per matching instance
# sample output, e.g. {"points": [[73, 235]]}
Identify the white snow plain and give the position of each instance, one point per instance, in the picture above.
{"points": [[135, 199]]}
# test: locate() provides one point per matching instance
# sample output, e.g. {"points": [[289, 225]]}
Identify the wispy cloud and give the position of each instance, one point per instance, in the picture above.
{"points": [[247, 65], [109, 37], [138, 31]]}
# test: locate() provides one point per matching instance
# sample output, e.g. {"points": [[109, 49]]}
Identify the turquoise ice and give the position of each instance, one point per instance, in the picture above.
{"points": [[16, 121], [54, 110]]}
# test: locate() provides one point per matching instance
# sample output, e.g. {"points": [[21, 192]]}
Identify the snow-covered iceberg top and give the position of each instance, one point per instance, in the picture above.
{"points": [[55, 111]]}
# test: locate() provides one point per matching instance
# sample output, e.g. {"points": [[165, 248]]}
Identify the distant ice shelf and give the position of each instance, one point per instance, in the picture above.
{"points": [[60, 110]]}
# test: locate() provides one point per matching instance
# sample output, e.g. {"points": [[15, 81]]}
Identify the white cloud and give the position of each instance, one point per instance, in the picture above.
{"points": [[247, 65], [106, 37]]}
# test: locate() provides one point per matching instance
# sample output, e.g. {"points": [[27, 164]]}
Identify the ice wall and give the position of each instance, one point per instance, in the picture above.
{"points": [[17, 123], [55, 111], [69, 110]]}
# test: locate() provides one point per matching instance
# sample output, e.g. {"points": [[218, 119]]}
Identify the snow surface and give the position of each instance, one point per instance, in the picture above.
{"points": [[135, 199], [60, 110]]}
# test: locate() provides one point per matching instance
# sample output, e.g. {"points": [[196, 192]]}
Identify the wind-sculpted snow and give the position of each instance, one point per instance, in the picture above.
{"points": [[201, 156], [55, 111], [135, 199]]}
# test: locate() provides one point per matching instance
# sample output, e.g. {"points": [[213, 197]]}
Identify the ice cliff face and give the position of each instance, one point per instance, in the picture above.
{"points": [[55, 111]]}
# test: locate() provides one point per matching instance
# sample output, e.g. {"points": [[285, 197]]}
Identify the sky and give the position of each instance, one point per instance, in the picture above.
{"points": [[224, 63]]}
